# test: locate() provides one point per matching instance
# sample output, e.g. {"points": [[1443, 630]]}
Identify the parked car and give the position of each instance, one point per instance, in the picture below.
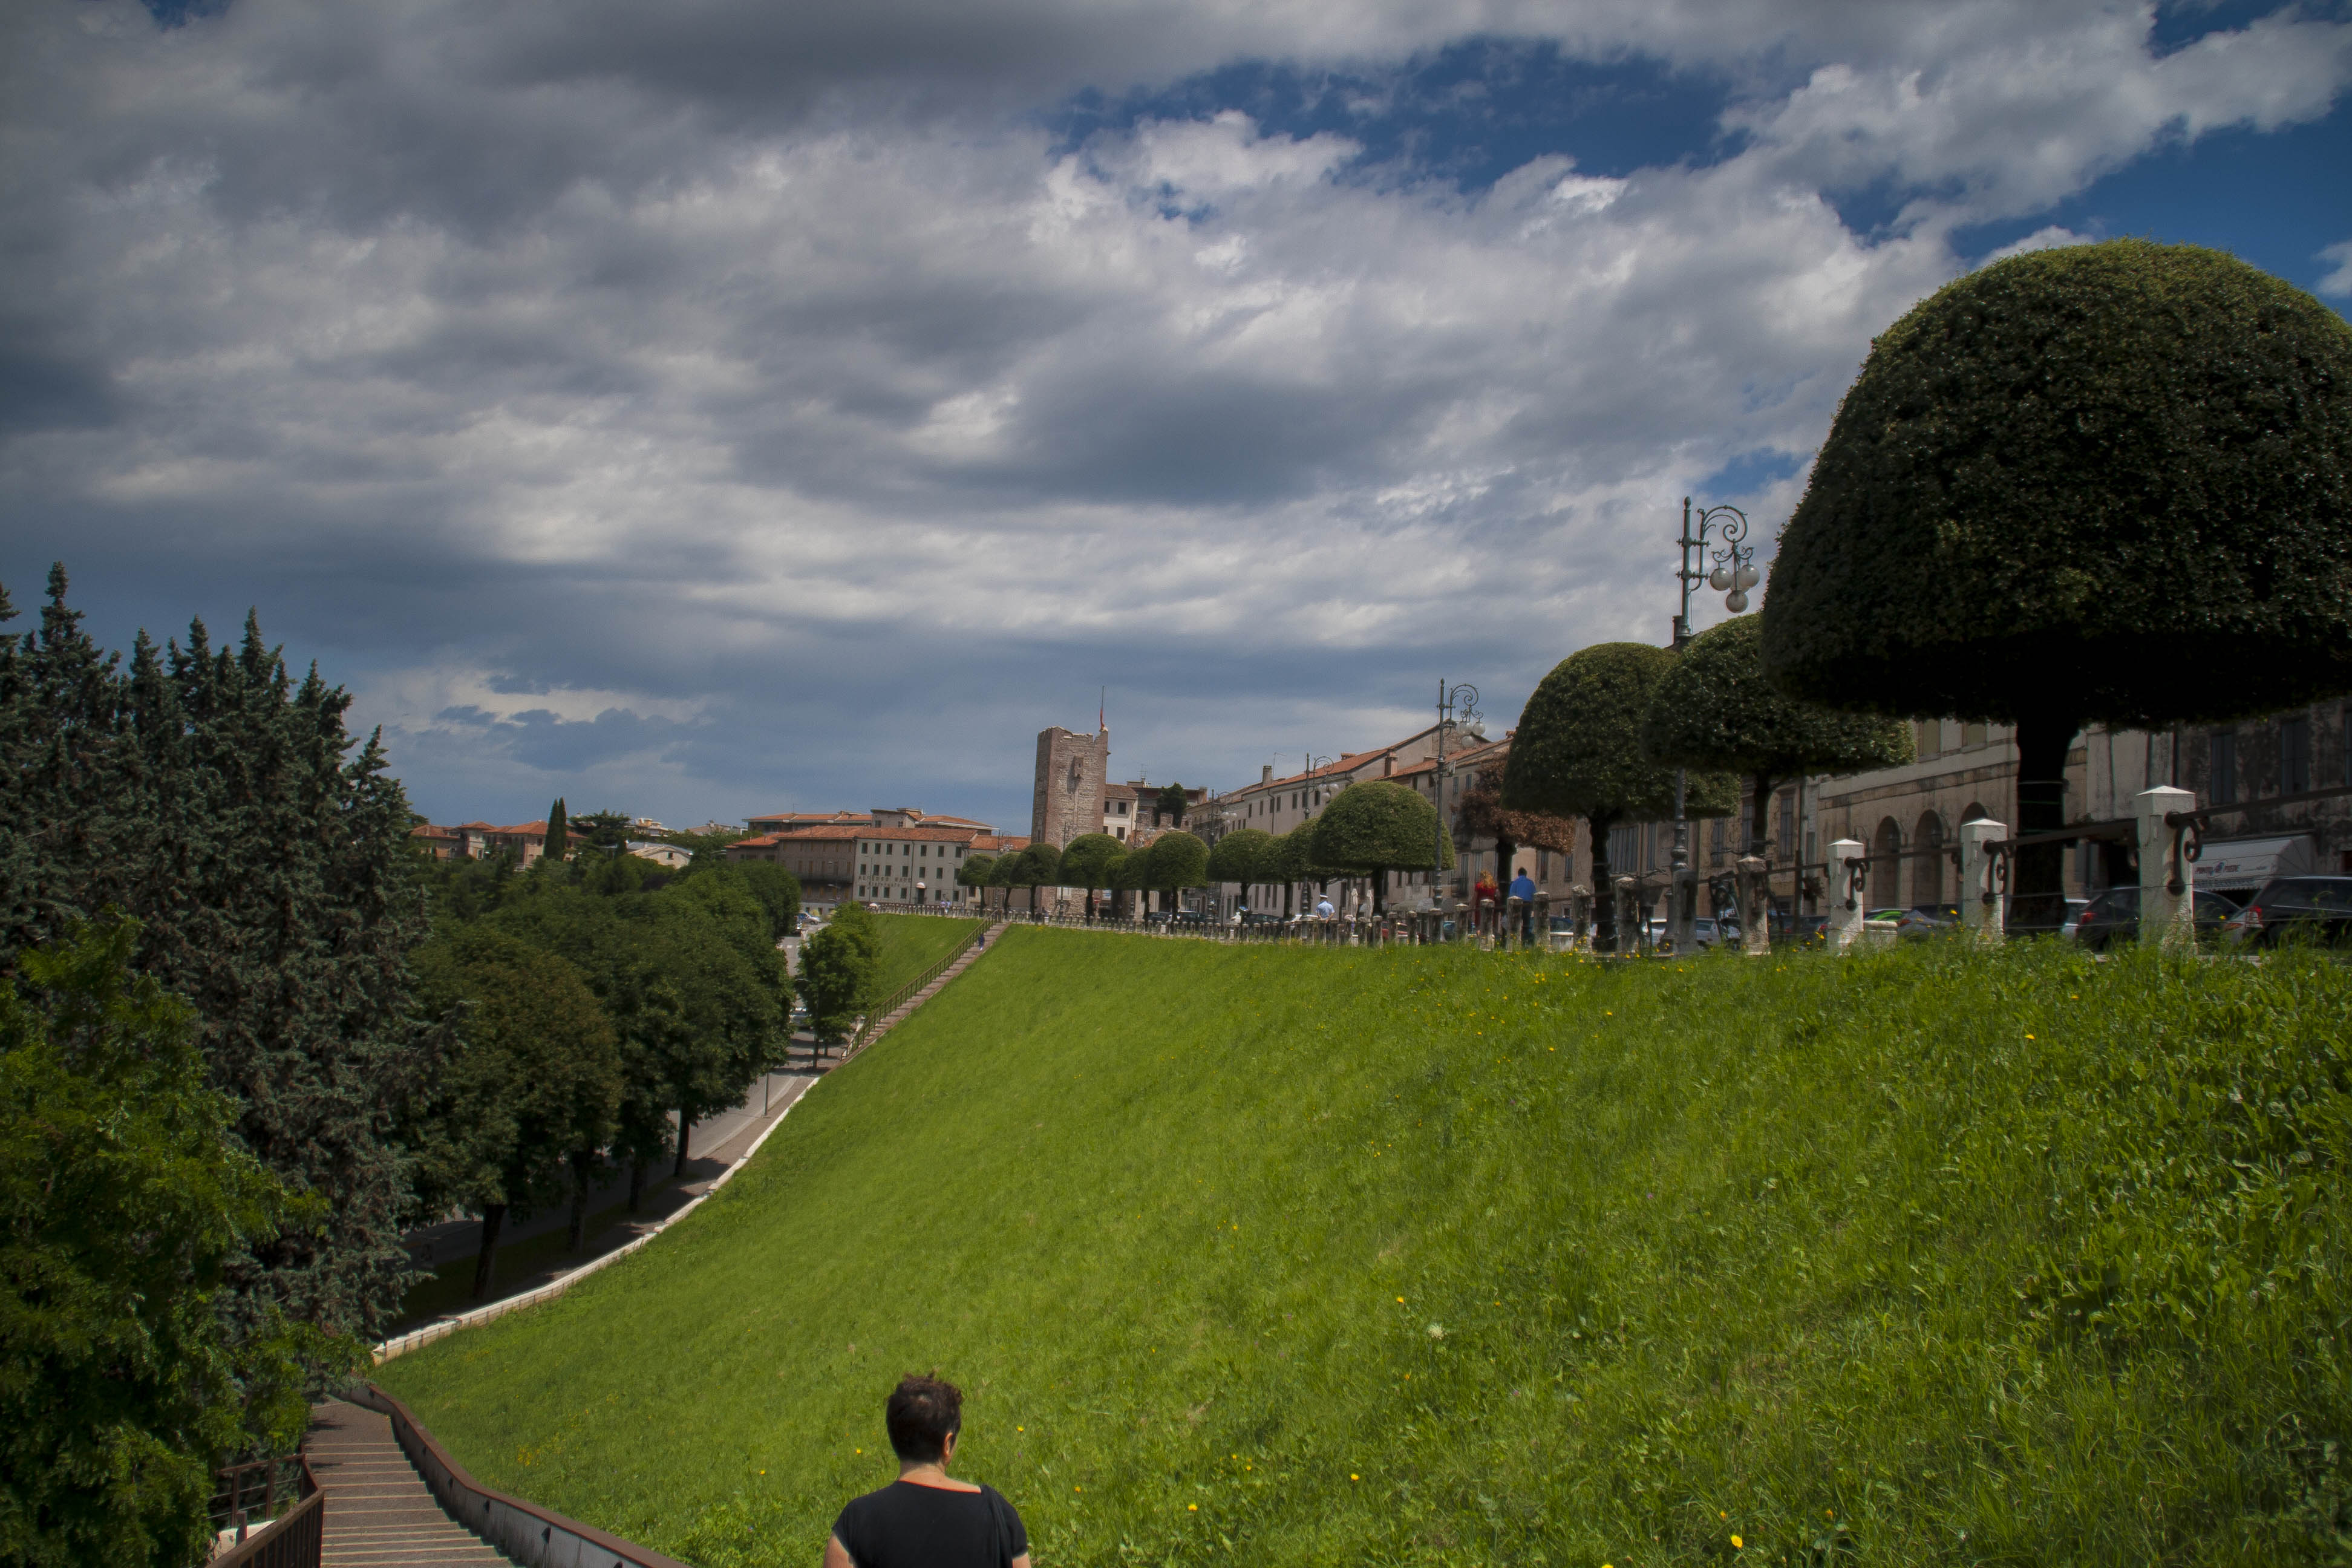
{"points": [[1252, 918], [1705, 932], [2074, 907], [2114, 916], [1800, 931], [1192, 918], [1927, 919], [2295, 909]]}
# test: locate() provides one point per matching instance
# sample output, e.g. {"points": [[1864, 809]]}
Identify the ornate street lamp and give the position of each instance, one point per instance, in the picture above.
{"points": [[1456, 704], [1716, 535]]}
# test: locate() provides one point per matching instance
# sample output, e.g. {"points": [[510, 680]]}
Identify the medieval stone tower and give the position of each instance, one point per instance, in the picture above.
{"points": [[1068, 796]]}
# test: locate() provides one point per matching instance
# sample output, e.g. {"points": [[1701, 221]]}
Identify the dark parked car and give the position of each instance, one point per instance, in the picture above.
{"points": [[2114, 916], [2296, 908]]}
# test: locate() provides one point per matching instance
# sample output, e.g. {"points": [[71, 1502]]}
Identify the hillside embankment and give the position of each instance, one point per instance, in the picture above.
{"points": [[1318, 1256]]}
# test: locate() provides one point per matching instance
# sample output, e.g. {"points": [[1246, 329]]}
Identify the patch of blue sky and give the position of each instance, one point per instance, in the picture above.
{"points": [[1470, 112], [1751, 471], [2275, 199]]}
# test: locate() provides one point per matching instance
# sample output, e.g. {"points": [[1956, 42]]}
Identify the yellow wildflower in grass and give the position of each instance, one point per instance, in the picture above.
{"points": [[1191, 1507], [1737, 1544]]}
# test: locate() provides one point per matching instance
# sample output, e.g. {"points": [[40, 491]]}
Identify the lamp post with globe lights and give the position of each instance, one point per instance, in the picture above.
{"points": [[1456, 704], [1714, 551]]}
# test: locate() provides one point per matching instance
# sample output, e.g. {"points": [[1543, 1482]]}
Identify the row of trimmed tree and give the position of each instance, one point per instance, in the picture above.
{"points": [[2101, 484], [1367, 830]]}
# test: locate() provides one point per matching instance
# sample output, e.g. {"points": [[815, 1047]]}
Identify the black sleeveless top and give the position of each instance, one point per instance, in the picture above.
{"points": [[908, 1526]]}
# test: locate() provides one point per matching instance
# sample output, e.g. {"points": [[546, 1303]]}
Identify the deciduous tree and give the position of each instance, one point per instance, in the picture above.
{"points": [[1578, 752], [1376, 827], [1714, 710], [123, 1201], [1087, 861], [2101, 484]]}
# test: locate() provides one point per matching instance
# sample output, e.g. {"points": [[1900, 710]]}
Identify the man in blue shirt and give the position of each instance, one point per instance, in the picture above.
{"points": [[1523, 889]]}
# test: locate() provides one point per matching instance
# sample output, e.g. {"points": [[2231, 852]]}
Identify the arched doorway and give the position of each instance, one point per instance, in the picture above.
{"points": [[1927, 873], [1885, 870]]}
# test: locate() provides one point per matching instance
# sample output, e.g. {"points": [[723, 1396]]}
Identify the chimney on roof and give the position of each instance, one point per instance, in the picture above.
{"points": [[1265, 773]]}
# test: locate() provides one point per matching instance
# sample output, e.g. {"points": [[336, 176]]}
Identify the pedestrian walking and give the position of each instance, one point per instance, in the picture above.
{"points": [[926, 1519], [1523, 889]]}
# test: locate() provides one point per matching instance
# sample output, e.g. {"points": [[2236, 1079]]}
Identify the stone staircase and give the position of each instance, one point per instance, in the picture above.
{"points": [[896, 1016], [379, 1513]]}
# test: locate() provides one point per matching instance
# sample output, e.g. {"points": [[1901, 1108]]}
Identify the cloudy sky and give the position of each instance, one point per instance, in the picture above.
{"points": [[720, 406]]}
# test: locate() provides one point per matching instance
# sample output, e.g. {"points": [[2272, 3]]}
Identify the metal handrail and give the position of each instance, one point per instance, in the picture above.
{"points": [[879, 1014], [295, 1538]]}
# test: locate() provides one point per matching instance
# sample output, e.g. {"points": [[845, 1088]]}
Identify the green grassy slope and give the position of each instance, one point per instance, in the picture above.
{"points": [[1436, 1257], [912, 943]]}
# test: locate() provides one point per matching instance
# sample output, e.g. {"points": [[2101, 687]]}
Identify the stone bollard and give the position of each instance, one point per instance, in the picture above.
{"points": [[1580, 912], [1627, 894], [1543, 918], [2167, 916], [1847, 862], [1754, 883], [1682, 911], [1981, 874]]}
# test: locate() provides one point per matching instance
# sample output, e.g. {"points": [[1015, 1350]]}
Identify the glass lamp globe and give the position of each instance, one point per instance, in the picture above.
{"points": [[1719, 579], [1735, 601], [1744, 578]]}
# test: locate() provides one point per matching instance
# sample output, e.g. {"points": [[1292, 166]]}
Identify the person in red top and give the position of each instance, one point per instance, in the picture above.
{"points": [[924, 1519], [1483, 900]]}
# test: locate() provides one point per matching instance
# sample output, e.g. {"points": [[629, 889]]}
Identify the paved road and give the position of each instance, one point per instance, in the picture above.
{"points": [[379, 1513]]}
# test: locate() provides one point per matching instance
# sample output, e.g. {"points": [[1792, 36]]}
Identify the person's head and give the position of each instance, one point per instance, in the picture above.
{"points": [[924, 1414]]}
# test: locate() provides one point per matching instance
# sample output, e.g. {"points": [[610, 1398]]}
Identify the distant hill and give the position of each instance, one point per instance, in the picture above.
{"points": [[1429, 1256]]}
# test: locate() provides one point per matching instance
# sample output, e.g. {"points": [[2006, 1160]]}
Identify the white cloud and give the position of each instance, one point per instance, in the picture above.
{"points": [[2339, 281]]}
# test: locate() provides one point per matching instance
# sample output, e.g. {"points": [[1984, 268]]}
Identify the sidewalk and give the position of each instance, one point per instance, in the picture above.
{"points": [[719, 1142]]}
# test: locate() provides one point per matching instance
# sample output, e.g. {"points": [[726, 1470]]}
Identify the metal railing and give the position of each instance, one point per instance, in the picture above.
{"points": [[526, 1532], [879, 1015], [295, 1538]]}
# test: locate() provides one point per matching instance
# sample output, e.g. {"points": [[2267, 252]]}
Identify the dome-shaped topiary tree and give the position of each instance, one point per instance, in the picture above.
{"points": [[1174, 859], [1087, 861], [1578, 752], [1378, 827], [1714, 710], [2103, 484], [1243, 856]]}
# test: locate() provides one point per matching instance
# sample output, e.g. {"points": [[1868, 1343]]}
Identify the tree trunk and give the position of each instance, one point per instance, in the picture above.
{"points": [[685, 1126], [2037, 886], [1604, 888], [1380, 890], [581, 1163], [493, 1219], [1287, 889], [1759, 807], [636, 1183]]}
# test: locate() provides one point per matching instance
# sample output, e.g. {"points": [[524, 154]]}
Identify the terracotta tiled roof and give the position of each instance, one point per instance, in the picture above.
{"points": [[1000, 844]]}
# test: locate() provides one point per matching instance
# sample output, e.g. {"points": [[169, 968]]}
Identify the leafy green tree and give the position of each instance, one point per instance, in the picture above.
{"points": [[1087, 861], [975, 873], [124, 1202], [1714, 709], [1170, 805], [605, 830], [840, 968], [2060, 493], [1243, 856], [1039, 864], [558, 845], [267, 857], [1174, 860], [1578, 752], [778, 890], [1377, 827], [531, 1095]]}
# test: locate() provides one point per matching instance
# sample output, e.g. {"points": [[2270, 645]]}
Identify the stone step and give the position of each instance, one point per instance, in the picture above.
{"points": [[380, 1513]]}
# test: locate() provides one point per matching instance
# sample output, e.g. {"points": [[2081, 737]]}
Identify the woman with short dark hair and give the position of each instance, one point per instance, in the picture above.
{"points": [[924, 1519]]}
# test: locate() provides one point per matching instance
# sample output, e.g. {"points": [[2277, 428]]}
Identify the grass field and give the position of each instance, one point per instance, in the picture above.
{"points": [[1317, 1256], [912, 943]]}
